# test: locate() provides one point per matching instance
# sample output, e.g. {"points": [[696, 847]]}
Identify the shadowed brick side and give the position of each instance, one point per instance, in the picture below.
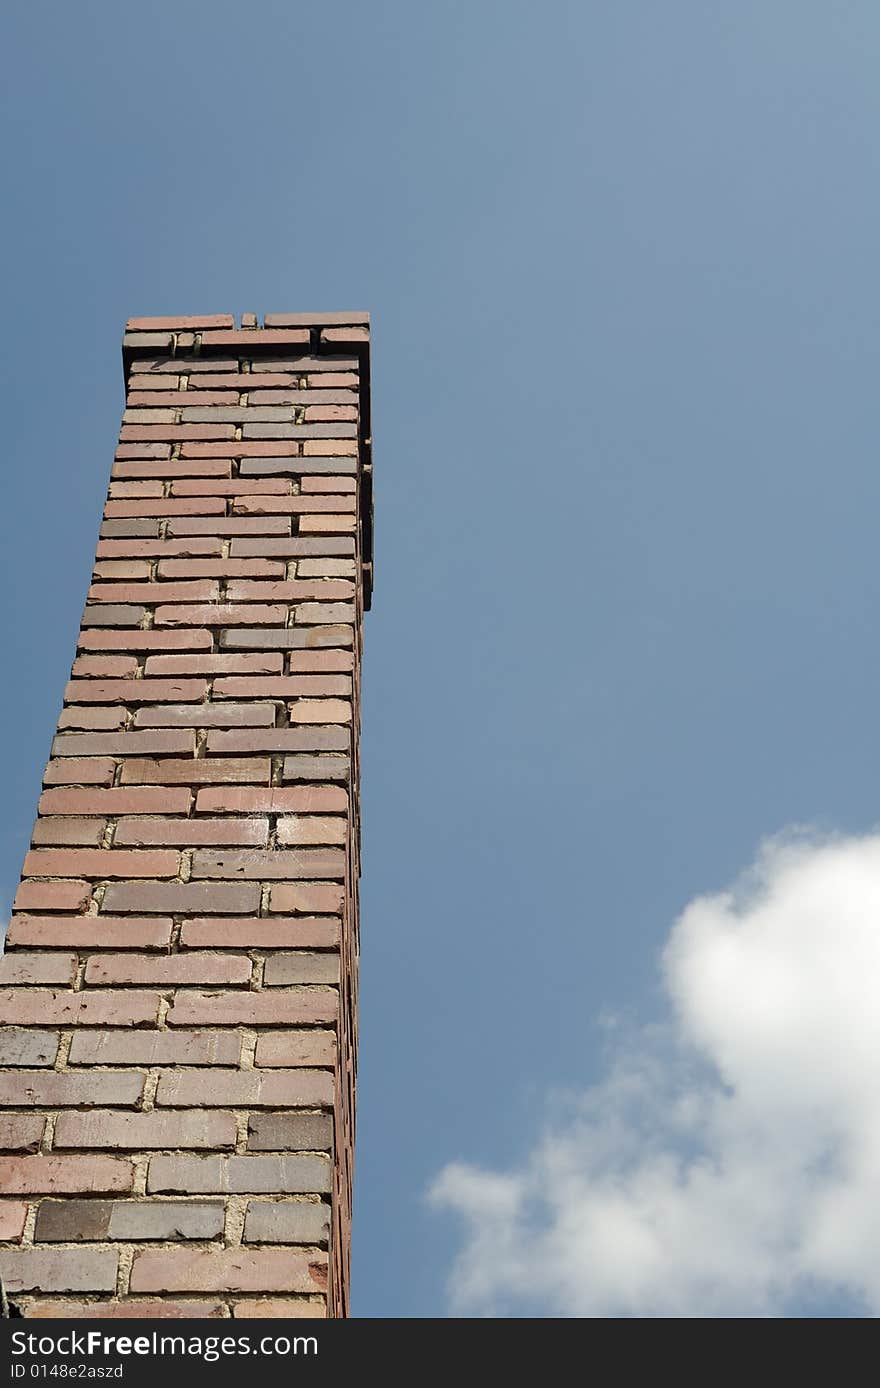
{"points": [[178, 1008]]}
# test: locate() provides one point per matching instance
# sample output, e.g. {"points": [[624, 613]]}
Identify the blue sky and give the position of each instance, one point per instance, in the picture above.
{"points": [[621, 261]]}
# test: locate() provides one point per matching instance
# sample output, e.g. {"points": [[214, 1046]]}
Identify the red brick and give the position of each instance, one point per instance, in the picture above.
{"points": [[199, 590], [177, 398], [294, 687], [176, 968], [232, 832], [241, 381], [153, 743], [351, 334], [293, 591], [138, 691], [174, 467], [298, 1088], [221, 568], [257, 663], [19, 1132], [197, 321], [230, 1269], [13, 1214], [217, 898], [117, 801], [146, 640], [331, 485], [96, 1175], [52, 896], [75, 771], [49, 1089], [126, 491], [156, 1048], [311, 1046], [188, 506], [247, 864], [319, 662], [314, 799], [259, 338], [91, 932], [148, 433], [221, 614], [100, 863], [105, 667], [37, 968], [312, 829], [323, 898], [263, 505], [33, 1006], [86, 833], [197, 772], [59, 1270], [188, 366], [122, 570], [293, 1007], [91, 718], [305, 932], [145, 1131], [319, 414]]}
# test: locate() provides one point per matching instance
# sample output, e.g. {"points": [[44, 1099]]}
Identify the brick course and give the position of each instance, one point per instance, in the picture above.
{"points": [[178, 992]]}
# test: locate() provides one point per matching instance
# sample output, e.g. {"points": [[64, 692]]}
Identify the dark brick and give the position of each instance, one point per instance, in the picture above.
{"points": [[287, 1221], [290, 1132]]}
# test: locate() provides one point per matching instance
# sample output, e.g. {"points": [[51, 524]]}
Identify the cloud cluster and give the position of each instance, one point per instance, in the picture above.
{"points": [[729, 1164]]}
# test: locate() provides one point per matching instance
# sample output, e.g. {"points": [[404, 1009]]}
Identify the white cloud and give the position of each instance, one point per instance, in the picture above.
{"points": [[729, 1165]]}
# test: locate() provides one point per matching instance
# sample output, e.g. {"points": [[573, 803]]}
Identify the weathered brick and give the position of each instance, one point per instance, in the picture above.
{"points": [[289, 638], [326, 567], [128, 743], [183, 640], [76, 771], [127, 491], [296, 1007], [113, 615], [49, 1089], [260, 337], [195, 321], [246, 1089], [146, 691], [232, 832], [262, 867], [242, 449], [272, 505], [287, 1221], [290, 1132], [221, 614], [280, 687], [147, 433], [231, 1269], [145, 1131], [262, 663], [303, 932], [229, 525], [328, 485], [222, 568], [100, 863], [186, 506], [174, 467], [345, 318], [302, 967], [219, 898], [206, 716], [293, 590], [311, 829], [155, 1048], [320, 711], [105, 667], [28, 1047], [96, 1175], [91, 718], [310, 739], [117, 801], [237, 486], [132, 1310], [90, 932], [311, 799], [179, 1175], [197, 590], [274, 1308], [173, 969], [318, 898], [33, 1006], [325, 768], [177, 398], [52, 896], [295, 547], [13, 1214], [19, 1132], [321, 662], [58, 1270], [283, 1049], [222, 770], [282, 1175], [73, 1221], [292, 466], [20, 967]]}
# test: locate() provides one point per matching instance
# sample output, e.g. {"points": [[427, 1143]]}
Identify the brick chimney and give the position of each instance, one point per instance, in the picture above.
{"points": [[178, 1001]]}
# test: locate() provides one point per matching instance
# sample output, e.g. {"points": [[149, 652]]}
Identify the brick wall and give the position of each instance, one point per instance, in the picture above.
{"points": [[178, 994]]}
